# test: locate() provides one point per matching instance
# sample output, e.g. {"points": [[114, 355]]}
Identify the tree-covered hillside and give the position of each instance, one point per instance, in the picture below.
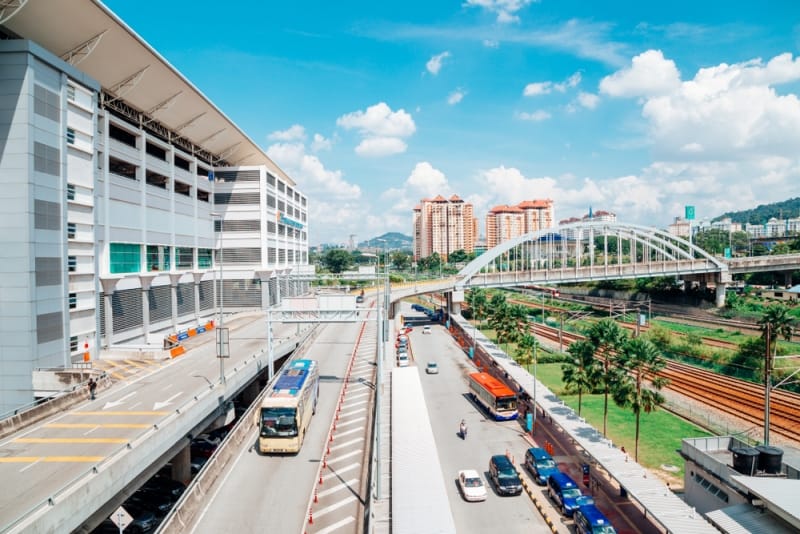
{"points": [[760, 215]]}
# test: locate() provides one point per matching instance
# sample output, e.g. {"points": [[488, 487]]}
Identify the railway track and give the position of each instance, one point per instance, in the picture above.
{"points": [[738, 398]]}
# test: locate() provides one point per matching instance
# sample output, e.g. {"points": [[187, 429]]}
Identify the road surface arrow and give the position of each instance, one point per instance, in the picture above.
{"points": [[159, 405], [114, 404]]}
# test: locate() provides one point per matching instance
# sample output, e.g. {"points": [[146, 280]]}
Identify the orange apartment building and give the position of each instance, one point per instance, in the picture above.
{"points": [[443, 226], [507, 222]]}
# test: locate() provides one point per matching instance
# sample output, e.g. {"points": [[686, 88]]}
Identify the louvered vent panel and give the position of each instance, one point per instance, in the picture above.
{"points": [[126, 306], [238, 176], [242, 294], [240, 255], [207, 295], [160, 303], [236, 198], [185, 299]]}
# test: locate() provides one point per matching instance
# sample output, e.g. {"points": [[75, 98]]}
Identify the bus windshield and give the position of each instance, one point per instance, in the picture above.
{"points": [[278, 422], [506, 403]]}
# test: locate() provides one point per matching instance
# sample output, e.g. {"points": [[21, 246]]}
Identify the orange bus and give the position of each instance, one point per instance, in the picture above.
{"points": [[495, 397]]}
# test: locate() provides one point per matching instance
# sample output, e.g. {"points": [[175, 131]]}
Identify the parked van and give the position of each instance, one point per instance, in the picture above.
{"points": [[504, 475], [590, 520], [565, 493], [402, 360], [540, 464]]}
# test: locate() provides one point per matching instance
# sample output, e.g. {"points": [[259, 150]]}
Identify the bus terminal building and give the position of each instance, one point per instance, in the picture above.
{"points": [[132, 206]]}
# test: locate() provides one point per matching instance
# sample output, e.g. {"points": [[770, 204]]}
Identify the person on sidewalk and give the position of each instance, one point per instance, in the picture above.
{"points": [[92, 388]]}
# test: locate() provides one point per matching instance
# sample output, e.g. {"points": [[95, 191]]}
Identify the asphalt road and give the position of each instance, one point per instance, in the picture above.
{"points": [[447, 401]]}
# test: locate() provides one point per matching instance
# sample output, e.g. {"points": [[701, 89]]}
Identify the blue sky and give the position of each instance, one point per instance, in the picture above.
{"points": [[639, 108]]}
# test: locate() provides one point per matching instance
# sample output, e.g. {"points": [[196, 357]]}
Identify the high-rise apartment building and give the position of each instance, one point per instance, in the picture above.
{"points": [[443, 226], [507, 222], [132, 206]]}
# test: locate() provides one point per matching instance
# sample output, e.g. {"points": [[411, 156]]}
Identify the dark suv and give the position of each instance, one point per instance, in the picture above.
{"points": [[504, 475]]}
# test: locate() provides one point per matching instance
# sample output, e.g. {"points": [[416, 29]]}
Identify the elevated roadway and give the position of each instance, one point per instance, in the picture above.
{"points": [[74, 468]]}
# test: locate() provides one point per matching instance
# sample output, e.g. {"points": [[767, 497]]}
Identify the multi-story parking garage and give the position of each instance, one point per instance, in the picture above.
{"points": [[127, 196]]}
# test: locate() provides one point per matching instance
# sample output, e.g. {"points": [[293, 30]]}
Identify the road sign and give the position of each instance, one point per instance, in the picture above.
{"points": [[121, 518], [689, 213]]}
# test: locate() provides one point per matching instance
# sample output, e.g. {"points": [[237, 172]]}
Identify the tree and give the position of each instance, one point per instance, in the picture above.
{"points": [[642, 361], [527, 346], [583, 372], [400, 260], [775, 322], [336, 260], [607, 337], [478, 303]]}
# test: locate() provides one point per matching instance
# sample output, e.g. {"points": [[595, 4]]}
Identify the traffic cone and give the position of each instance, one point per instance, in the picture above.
{"points": [[310, 517]]}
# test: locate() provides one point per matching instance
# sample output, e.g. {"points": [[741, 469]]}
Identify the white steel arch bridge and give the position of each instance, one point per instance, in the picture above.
{"points": [[591, 251]]}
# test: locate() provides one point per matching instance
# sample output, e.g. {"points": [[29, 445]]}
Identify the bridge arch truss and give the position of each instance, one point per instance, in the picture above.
{"points": [[588, 251]]}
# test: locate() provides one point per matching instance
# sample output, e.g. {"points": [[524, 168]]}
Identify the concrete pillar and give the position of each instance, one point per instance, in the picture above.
{"points": [[173, 297], [108, 289], [146, 281], [198, 277], [264, 276], [182, 465], [720, 300]]}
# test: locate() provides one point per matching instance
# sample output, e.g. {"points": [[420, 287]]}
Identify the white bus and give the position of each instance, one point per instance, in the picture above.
{"points": [[287, 407]]}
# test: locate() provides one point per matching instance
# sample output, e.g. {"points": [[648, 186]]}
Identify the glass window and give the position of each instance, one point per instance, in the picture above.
{"points": [[73, 344], [70, 192], [125, 258], [71, 136], [72, 263], [71, 230], [157, 258], [278, 422], [204, 258], [184, 257], [73, 301]]}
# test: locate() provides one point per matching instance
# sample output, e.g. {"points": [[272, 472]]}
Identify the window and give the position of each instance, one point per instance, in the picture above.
{"points": [[203, 195], [183, 189], [156, 151], [122, 168], [70, 230], [157, 258], [282, 206], [123, 136], [73, 301], [156, 180], [70, 192], [271, 201], [72, 263], [125, 258], [271, 227], [46, 159], [270, 180], [204, 260], [184, 257], [182, 163], [70, 136], [73, 344], [281, 187], [71, 93]]}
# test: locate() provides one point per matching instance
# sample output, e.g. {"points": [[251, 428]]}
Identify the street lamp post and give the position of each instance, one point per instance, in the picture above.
{"points": [[223, 346]]}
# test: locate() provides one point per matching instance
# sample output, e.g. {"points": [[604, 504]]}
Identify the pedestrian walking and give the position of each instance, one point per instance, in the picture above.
{"points": [[92, 387]]}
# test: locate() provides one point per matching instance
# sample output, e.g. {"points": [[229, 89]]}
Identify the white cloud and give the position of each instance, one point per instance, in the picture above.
{"points": [[294, 133], [536, 116], [383, 130], [650, 74], [427, 181], [434, 64], [544, 88], [588, 100], [504, 9], [456, 96], [377, 147], [320, 143], [491, 43], [309, 171]]}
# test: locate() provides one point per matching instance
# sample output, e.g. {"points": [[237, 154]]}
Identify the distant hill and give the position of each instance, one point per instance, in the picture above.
{"points": [[394, 241], [760, 215]]}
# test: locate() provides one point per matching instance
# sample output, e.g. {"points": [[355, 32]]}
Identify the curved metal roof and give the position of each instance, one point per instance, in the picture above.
{"points": [[86, 34]]}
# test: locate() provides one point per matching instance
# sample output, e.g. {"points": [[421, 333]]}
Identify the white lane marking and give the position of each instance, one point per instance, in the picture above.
{"points": [[113, 404], [340, 487], [358, 395], [351, 421], [346, 444], [346, 521], [161, 404], [90, 431], [345, 456], [334, 507], [31, 465], [346, 432], [135, 405], [357, 403], [351, 412], [338, 472]]}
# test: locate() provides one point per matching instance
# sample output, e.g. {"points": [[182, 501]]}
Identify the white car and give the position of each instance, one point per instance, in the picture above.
{"points": [[471, 485], [402, 360], [426, 329], [432, 368]]}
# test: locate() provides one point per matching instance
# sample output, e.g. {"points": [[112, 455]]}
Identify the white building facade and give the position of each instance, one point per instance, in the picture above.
{"points": [[121, 217]]}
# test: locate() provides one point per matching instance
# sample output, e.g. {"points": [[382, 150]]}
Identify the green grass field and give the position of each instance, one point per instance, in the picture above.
{"points": [[660, 432]]}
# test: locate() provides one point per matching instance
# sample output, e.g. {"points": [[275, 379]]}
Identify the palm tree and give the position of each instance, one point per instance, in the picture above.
{"points": [[478, 302], [583, 372], [775, 322], [607, 337], [526, 349], [642, 361]]}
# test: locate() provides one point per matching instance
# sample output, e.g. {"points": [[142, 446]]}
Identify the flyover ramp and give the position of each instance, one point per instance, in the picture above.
{"points": [[65, 469]]}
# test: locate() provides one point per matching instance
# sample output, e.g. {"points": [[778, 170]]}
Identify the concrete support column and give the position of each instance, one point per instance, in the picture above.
{"points": [[720, 296], [182, 465], [173, 297], [198, 277], [108, 289], [146, 281], [264, 276]]}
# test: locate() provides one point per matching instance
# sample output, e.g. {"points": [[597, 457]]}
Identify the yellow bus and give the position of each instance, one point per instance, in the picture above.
{"points": [[287, 407]]}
